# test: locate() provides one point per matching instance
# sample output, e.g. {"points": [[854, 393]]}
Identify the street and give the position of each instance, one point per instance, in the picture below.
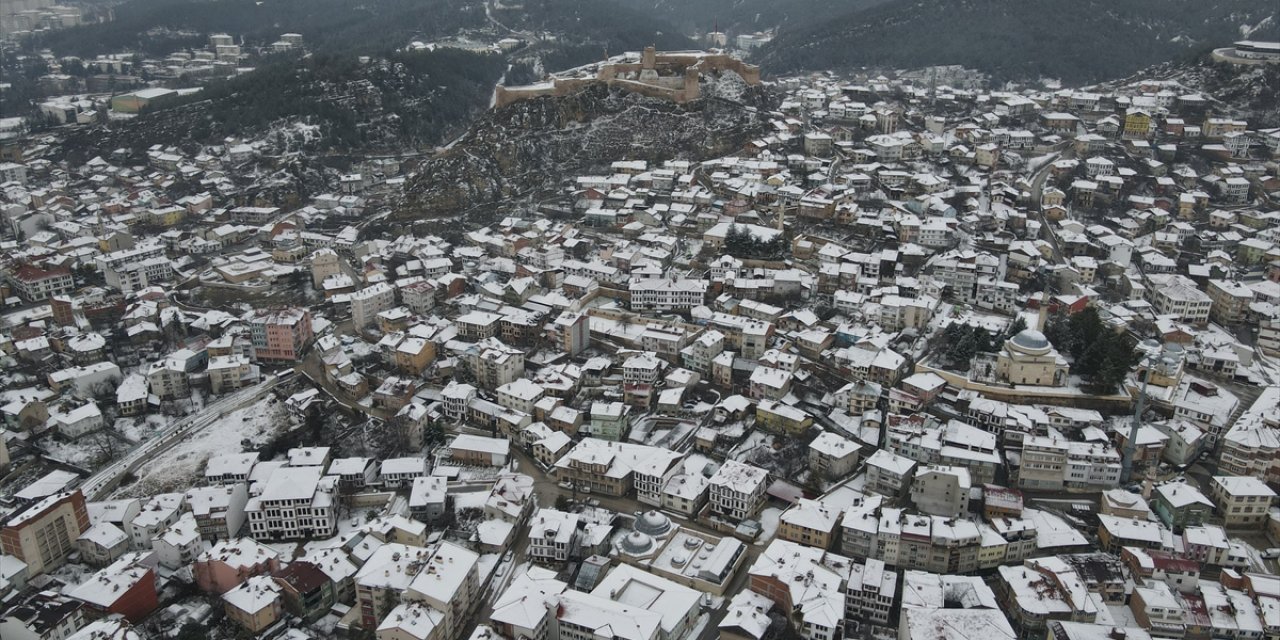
{"points": [[97, 486], [1037, 188]]}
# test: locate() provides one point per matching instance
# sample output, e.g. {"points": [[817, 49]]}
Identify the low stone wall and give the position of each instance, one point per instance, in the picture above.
{"points": [[1228, 54], [1116, 403], [691, 65]]}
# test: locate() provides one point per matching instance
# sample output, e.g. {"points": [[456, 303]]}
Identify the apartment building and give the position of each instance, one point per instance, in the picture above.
{"points": [[1230, 300], [1242, 501], [552, 535], [34, 284], [228, 373], [168, 380], [941, 490], [229, 563], [1179, 297], [280, 335], [219, 511], [45, 533], [869, 592], [806, 583], [889, 474], [494, 364], [367, 303]]}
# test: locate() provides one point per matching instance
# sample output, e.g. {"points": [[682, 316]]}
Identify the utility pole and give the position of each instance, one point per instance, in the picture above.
{"points": [[1131, 447]]}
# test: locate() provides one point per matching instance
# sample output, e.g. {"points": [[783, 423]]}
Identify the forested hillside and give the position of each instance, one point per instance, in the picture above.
{"points": [[1076, 41], [157, 27], [746, 16], [406, 99], [585, 30]]}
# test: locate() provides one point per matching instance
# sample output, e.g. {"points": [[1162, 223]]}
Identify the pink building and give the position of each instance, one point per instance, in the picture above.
{"points": [[231, 562], [280, 334]]}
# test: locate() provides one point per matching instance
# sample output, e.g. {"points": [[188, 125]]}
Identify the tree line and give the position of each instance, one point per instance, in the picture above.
{"points": [[741, 243], [1099, 354], [1077, 42]]}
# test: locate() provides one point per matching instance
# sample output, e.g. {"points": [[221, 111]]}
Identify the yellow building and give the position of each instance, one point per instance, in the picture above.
{"points": [[809, 522], [255, 604], [414, 354], [1137, 124], [139, 100], [780, 418], [168, 216]]}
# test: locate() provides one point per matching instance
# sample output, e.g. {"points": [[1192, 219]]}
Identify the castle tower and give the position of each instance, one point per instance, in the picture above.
{"points": [[649, 59], [691, 88]]}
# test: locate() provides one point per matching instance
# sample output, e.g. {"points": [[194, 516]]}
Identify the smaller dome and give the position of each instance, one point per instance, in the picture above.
{"points": [[636, 543], [1031, 340]]}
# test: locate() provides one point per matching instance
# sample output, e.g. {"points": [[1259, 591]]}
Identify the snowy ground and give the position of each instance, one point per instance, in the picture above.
{"points": [[753, 441], [768, 525], [138, 429], [179, 467], [87, 452], [464, 499]]}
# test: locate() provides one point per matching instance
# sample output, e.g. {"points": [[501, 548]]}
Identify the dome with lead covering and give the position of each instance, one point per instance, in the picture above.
{"points": [[1031, 341], [636, 543], [652, 522]]}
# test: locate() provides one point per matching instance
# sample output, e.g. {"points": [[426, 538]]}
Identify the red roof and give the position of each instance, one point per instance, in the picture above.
{"points": [[32, 273]]}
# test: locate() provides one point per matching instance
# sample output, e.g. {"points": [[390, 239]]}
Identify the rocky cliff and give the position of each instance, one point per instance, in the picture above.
{"points": [[516, 155]]}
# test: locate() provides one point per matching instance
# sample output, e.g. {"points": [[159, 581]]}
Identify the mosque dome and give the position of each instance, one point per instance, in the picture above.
{"points": [[653, 522], [1031, 341], [636, 543]]}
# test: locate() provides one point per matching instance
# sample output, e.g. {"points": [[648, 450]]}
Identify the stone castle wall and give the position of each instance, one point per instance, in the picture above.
{"points": [[667, 66]]}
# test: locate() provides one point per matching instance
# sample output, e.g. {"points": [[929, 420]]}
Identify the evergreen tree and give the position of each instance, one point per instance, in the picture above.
{"points": [[1090, 360], [1019, 325], [962, 350], [982, 340]]}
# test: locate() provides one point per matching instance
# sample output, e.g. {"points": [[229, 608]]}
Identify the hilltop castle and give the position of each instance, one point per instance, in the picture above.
{"points": [[673, 75]]}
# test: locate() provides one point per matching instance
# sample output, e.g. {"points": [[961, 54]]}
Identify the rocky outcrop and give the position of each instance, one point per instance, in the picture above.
{"points": [[515, 154]]}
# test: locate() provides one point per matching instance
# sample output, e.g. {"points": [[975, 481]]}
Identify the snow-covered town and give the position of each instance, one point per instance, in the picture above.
{"points": [[922, 360]]}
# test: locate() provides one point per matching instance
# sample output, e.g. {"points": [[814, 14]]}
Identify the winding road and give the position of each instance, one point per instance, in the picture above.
{"points": [[100, 484]]}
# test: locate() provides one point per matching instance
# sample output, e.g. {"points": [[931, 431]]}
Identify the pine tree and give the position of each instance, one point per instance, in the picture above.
{"points": [[1018, 326]]}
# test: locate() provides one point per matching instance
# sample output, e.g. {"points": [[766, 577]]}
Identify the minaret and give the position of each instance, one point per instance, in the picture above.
{"points": [[1043, 317]]}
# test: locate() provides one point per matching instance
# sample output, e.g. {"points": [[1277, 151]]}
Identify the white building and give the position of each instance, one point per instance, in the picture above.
{"points": [[367, 303], [1178, 296], [667, 294], [552, 535], [293, 505], [737, 491], [941, 490]]}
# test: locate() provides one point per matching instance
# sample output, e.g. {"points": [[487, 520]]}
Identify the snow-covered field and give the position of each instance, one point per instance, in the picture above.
{"points": [[136, 429], [179, 467]]}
